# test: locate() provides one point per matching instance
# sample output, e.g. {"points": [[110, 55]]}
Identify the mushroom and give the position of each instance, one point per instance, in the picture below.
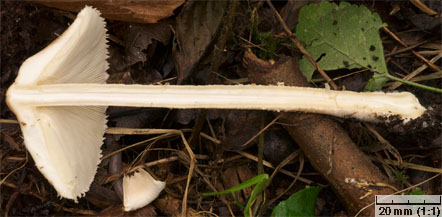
{"points": [[140, 189], [60, 98]]}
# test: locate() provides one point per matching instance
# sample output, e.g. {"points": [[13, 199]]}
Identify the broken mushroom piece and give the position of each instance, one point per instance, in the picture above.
{"points": [[140, 189], [60, 98]]}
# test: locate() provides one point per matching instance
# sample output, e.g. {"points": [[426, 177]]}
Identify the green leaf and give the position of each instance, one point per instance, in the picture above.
{"points": [[417, 191], [245, 184], [259, 182], [302, 203], [344, 36]]}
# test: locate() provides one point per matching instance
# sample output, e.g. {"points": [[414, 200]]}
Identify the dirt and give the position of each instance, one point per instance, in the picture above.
{"points": [[138, 54]]}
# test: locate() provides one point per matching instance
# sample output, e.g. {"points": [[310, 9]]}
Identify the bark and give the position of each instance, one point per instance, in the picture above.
{"points": [[325, 143]]}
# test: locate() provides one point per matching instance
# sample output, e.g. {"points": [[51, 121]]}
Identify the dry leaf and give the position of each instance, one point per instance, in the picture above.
{"points": [[196, 28], [144, 11], [138, 37], [240, 127]]}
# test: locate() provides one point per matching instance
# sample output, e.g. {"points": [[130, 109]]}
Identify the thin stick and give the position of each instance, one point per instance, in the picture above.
{"points": [[189, 176], [14, 170], [261, 131], [414, 52], [7, 121], [135, 131], [298, 175], [432, 76], [164, 136], [387, 144], [410, 165], [283, 171], [415, 72], [392, 53]]}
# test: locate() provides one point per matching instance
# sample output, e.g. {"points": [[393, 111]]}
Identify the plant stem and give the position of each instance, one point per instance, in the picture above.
{"points": [[425, 87]]}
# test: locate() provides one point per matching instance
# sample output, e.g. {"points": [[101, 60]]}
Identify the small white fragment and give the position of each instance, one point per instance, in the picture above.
{"points": [[327, 86], [140, 189]]}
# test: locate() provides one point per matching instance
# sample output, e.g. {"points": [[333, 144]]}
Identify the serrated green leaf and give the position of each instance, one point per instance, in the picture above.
{"points": [[302, 203], [344, 36]]}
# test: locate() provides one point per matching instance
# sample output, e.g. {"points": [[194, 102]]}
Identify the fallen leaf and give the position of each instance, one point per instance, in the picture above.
{"points": [[230, 179], [196, 29], [289, 13], [184, 116], [101, 197], [277, 145], [168, 206], [342, 36], [138, 38], [302, 203], [240, 127], [125, 10], [245, 173]]}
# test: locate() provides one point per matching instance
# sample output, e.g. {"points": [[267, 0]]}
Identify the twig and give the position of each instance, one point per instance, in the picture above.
{"points": [[286, 161], [432, 76], [74, 211], [189, 176], [7, 121], [410, 165], [392, 53], [415, 72], [283, 171], [423, 7], [301, 167], [136, 131], [14, 170], [414, 52], [301, 48], [164, 136], [387, 144], [261, 131]]}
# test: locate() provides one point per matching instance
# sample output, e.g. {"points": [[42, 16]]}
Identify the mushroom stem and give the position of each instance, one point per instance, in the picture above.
{"points": [[366, 106]]}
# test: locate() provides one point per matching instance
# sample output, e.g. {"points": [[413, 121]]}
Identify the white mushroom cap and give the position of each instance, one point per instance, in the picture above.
{"points": [[140, 190], [65, 141]]}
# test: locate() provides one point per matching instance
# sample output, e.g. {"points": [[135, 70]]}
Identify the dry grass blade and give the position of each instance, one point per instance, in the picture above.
{"points": [[410, 165], [261, 131], [434, 67], [189, 176], [15, 170], [132, 131], [298, 175], [283, 171], [416, 72], [7, 121], [164, 136], [387, 144]]}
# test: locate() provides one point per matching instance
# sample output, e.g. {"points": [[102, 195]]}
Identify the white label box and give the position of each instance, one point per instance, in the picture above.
{"points": [[408, 205]]}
